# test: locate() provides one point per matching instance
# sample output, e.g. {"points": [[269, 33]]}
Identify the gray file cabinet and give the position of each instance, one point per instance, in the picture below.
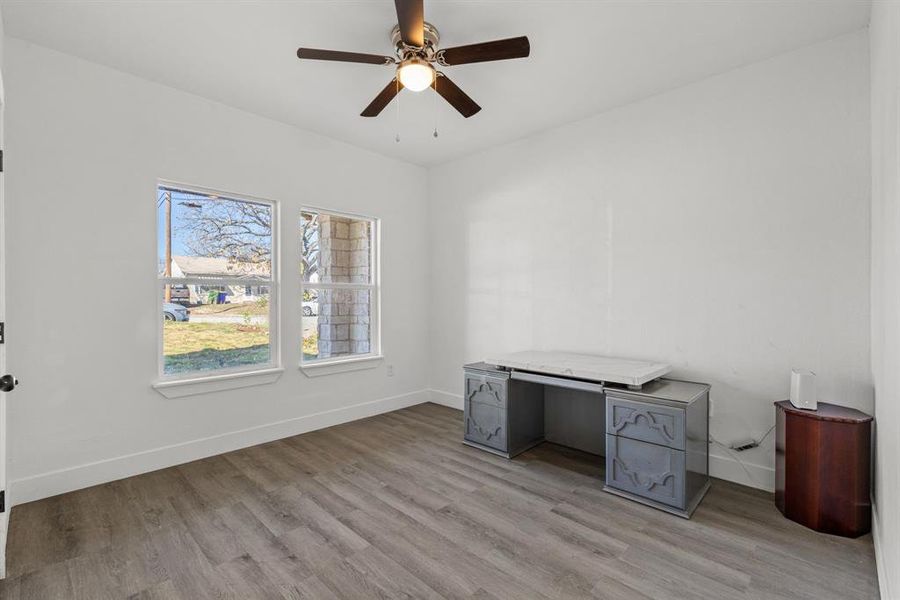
{"points": [[657, 448], [502, 415]]}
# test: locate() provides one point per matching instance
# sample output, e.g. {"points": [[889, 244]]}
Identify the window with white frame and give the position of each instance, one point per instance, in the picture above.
{"points": [[339, 285], [217, 287]]}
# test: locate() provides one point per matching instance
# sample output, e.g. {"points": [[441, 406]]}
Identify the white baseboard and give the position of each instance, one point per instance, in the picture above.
{"points": [[446, 399], [885, 588], [60, 481], [723, 467], [727, 468]]}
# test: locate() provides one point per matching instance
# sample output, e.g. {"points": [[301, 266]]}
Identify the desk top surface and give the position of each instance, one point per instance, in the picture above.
{"points": [[583, 366]]}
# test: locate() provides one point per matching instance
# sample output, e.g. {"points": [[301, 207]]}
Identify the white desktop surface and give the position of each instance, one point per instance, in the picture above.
{"points": [[592, 367]]}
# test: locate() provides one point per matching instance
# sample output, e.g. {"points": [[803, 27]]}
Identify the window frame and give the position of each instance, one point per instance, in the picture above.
{"points": [[338, 364], [273, 282]]}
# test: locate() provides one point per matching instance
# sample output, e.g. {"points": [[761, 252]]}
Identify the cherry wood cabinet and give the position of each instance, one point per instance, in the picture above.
{"points": [[822, 467]]}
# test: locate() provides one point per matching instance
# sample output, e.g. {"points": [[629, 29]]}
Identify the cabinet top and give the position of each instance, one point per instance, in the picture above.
{"points": [[673, 390], [486, 368], [590, 367], [826, 412]]}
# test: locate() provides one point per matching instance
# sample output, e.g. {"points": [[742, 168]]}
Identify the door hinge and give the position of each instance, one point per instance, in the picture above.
{"points": [[2, 501], [1, 161], [2, 332]]}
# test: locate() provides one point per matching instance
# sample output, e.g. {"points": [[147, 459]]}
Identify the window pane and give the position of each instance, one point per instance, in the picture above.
{"points": [[336, 323], [214, 327], [335, 249], [211, 236], [310, 324]]}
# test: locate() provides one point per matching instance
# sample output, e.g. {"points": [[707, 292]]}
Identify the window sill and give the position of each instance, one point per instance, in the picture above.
{"points": [[217, 383], [316, 369]]}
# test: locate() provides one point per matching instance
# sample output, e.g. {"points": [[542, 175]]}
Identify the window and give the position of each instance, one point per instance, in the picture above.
{"points": [[216, 283], [339, 285]]}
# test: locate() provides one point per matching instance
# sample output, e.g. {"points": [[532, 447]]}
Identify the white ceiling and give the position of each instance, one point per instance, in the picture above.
{"points": [[586, 56]]}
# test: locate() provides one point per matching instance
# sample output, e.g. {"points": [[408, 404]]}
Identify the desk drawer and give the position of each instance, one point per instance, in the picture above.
{"points": [[645, 421], [486, 424], [647, 470], [486, 389]]}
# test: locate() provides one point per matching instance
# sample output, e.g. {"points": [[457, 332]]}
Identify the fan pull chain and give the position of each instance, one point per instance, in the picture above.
{"points": [[435, 106], [397, 137]]}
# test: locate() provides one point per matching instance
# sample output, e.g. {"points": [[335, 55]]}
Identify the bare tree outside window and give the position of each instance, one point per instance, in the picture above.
{"points": [[309, 246], [238, 231]]}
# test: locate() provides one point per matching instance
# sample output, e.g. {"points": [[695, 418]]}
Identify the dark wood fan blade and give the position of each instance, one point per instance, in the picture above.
{"points": [[517, 47], [455, 96], [411, 18], [354, 57], [383, 98]]}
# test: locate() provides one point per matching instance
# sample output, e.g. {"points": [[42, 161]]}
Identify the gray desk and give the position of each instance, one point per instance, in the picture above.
{"points": [[654, 436]]}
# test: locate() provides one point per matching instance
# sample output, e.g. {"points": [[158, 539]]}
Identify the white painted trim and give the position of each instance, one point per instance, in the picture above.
{"points": [[69, 479], [722, 467], [338, 285], [214, 280], [727, 468], [178, 388], [330, 367], [886, 590], [446, 399]]}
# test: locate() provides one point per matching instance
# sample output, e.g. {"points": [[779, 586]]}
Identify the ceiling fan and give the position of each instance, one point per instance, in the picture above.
{"points": [[416, 47]]}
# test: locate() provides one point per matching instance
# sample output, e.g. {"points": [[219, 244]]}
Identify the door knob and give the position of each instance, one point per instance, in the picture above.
{"points": [[8, 383]]}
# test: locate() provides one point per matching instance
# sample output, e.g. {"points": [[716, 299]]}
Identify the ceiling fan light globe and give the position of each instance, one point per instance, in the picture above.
{"points": [[416, 75]]}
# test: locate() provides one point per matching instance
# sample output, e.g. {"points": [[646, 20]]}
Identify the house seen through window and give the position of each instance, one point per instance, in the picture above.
{"points": [[216, 284]]}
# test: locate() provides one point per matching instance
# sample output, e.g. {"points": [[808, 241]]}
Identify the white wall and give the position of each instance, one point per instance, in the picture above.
{"points": [[85, 146], [722, 227], [4, 516], [885, 52]]}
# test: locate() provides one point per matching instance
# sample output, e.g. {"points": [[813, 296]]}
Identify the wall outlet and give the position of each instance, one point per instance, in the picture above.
{"points": [[390, 370], [744, 445]]}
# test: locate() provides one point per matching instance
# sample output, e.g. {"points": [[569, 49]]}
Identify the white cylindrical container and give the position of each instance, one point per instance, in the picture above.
{"points": [[803, 389]]}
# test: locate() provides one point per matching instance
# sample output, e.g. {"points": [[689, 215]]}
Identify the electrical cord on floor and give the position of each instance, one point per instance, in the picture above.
{"points": [[735, 456]]}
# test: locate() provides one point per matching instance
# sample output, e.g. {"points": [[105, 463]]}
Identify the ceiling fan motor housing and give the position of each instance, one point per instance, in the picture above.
{"points": [[432, 39]]}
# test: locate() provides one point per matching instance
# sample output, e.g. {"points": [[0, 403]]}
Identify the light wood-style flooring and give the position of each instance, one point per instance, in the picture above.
{"points": [[394, 506]]}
